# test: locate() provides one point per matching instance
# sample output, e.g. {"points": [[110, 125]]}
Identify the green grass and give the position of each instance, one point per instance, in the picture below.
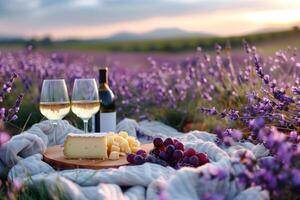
{"points": [[265, 41], [33, 192]]}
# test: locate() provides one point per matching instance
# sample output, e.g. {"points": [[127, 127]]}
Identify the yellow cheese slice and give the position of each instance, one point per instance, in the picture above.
{"points": [[114, 155], [123, 134]]}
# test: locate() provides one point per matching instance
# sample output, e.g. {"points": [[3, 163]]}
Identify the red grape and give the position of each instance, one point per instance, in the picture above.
{"points": [[168, 141], [130, 158], [194, 160], [185, 159], [169, 153], [155, 152], [175, 141], [158, 142], [163, 155], [202, 158], [170, 149], [190, 152], [138, 160], [150, 159], [179, 146], [162, 148], [178, 154], [141, 152]]}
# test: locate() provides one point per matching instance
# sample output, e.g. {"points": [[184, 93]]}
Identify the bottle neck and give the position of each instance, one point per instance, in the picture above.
{"points": [[103, 77]]}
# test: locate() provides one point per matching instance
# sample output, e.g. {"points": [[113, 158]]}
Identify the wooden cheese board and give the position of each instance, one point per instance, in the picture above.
{"points": [[54, 156]]}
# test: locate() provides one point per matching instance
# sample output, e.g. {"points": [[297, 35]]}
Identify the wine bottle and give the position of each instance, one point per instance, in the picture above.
{"points": [[105, 119]]}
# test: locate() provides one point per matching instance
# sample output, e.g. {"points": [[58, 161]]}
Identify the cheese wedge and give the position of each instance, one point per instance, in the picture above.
{"points": [[86, 146], [110, 140]]}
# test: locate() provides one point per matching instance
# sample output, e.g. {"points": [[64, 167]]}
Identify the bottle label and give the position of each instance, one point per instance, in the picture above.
{"points": [[93, 124], [108, 122]]}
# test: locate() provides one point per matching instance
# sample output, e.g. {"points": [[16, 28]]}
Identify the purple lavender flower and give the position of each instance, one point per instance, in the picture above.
{"points": [[17, 185], [4, 137], [296, 90], [257, 124], [294, 136], [2, 113], [295, 175], [233, 115], [7, 86], [209, 111], [11, 115]]}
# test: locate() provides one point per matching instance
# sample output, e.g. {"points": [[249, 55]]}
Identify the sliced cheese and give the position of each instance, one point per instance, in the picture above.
{"points": [[125, 147], [86, 146], [118, 139], [115, 148], [136, 144], [123, 134], [130, 140], [115, 144], [114, 155]]}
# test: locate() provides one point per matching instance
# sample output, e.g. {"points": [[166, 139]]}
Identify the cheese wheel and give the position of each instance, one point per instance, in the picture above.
{"points": [[86, 146]]}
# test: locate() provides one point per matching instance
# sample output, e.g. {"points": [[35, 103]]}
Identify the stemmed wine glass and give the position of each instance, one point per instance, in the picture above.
{"points": [[85, 100], [54, 101]]}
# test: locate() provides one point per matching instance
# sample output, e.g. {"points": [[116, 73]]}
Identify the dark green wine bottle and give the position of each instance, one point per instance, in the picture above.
{"points": [[106, 118]]}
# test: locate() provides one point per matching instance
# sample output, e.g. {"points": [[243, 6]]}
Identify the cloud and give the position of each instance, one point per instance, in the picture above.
{"points": [[35, 16], [91, 12]]}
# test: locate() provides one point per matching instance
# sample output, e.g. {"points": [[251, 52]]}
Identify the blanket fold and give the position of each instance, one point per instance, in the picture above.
{"points": [[23, 156]]}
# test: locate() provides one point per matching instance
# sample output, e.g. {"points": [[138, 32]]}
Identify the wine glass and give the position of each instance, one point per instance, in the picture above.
{"points": [[54, 101], [85, 100]]}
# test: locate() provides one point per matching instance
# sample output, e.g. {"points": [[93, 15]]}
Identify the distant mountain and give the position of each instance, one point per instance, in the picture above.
{"points": [[268, 30], [162, 33], [10, 39]]}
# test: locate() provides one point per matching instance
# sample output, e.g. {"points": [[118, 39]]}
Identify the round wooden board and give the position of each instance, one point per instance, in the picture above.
{"points": [[54, 156]]}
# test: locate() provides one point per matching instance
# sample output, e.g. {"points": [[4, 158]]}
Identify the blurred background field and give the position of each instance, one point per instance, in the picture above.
{"points": [[267, 42]]}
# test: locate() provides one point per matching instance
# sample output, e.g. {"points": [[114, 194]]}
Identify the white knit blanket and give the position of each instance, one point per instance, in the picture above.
{"points": [[22, 155]]}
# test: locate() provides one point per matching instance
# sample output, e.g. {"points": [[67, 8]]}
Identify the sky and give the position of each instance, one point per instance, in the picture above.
{"points": [[84, 19]]}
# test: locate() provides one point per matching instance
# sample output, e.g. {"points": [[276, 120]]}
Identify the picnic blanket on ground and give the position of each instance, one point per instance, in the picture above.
{"points": [[22, 155]]}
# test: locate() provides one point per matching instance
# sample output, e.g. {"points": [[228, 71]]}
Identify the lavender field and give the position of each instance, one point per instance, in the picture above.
{"points": [[237, 95], [195, 100], [246, 84]]}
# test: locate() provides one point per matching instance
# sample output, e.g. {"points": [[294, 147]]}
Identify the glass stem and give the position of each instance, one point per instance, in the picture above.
{"points": [[55, 127], [86, 125]]}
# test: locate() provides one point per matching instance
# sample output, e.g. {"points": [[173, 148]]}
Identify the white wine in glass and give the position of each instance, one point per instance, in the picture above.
{"points": [[54, 110], [85, 99], [54, 101]]}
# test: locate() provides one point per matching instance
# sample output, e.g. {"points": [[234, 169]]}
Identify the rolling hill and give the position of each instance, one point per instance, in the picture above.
{"points": [[163, 33]]}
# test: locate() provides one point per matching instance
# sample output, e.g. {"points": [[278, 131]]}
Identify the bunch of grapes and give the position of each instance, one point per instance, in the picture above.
{"points": [[169, 152]]}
